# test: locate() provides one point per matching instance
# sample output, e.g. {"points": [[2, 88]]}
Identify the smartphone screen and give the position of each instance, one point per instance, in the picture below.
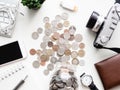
{"points": [[10, 52]]}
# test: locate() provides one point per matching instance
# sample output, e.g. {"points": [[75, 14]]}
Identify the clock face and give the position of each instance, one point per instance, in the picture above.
{"points": [[86, 80]]}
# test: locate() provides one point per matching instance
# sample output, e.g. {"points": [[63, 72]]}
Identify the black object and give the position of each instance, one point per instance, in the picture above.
{"points": [[10, 52], [92, 86], [20, 84], [87, 81], [92, 20], [117, 1]]}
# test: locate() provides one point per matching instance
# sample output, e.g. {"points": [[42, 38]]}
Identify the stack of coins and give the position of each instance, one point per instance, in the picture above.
{"points": [[59, 44], [63, 79]]}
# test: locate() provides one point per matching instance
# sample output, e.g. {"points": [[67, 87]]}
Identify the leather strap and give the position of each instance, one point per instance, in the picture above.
{"points": [[92, 86], [115, 49]]}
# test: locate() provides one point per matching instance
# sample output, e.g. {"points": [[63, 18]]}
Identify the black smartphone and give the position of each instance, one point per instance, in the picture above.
{"points": [[13, 51]]}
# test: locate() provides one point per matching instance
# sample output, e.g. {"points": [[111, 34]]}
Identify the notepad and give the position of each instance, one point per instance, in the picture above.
{"points": [[11, 74]]}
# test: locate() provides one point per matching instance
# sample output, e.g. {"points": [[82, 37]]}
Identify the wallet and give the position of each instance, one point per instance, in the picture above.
{"points": [[109, 71]]}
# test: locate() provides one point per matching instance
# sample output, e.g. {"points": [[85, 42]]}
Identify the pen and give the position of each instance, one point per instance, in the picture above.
{"points": [[20, 83]]}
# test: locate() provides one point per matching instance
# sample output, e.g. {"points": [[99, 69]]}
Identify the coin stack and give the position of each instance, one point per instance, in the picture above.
{"points": [[64, 79], [59, 43]]}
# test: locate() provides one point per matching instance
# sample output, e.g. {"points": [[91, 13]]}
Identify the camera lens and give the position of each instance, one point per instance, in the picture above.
{"points": [[95, 21]]}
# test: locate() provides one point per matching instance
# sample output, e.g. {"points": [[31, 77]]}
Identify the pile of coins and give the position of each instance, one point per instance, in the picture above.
{"points": [[64, 79], [60, 43]]}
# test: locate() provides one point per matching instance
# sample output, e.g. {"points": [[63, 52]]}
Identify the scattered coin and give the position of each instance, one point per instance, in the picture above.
{"points": [[39, 52], [50, 44], [67, 52], [35, 35], [61, 35], [47, 26], [50, 52], [53, 60], [46, 72], [66, 23], [46, 38], [68, 46], [71, 38], [64, 16], [50, 67], [42, 63], [61, 47], [75, 61], [54, 23], [57, 17], [66, 30], [59, 26], [46, 19], [69, 83], [61, 51], [82, 45], [48, 32], [78, 38], [36, 64], [56, 35], [75, 46], [72, 30], [39, 30], [66, 35], [81, 53], [32, 51], [74, 54], [43, 45], [55, 47], [82, 62], [43, 58]]}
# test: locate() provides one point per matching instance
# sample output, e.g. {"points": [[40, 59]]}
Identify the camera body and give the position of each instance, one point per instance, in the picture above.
{"points": [[104, 26]]}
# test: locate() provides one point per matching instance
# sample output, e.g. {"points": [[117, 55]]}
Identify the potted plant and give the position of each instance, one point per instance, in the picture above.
{"points": [[32, 4]]}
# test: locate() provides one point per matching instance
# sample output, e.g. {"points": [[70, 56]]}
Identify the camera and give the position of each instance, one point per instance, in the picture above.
{"points": [[104, 26]]}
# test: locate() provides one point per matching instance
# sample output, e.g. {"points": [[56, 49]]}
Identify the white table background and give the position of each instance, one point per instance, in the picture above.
{"points": [[32, 19]]}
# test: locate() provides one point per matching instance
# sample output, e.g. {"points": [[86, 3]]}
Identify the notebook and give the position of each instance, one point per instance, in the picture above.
{"points": [[11, 74]]}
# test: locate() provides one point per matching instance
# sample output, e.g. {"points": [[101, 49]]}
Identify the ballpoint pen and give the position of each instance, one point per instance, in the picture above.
{"points": [[20, 83]]}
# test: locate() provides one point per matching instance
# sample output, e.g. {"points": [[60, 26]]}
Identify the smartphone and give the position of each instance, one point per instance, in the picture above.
{"points": [[13, 51]]}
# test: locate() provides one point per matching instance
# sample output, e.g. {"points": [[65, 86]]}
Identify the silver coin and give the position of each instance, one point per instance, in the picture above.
{"points": [[64, 16], [65, 58], [61, 51], [57, 17], [74, 54], [50, 67], [35, 35], [43, 45], [48, 32], [75, 46], [54, 23], [53, 60], [66, 35], [78, 38], [69, 82], [46, 38], [46, 19], [72, 30], [82, 63], [36, 64], [46, 72], [39, 30], [60, 84]]}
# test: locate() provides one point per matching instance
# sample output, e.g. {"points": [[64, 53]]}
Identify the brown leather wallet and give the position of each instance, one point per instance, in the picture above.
{"points": [[109, 71]]}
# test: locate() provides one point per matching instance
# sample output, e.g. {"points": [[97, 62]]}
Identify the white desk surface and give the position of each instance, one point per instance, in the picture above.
{"points": [[32, 19]]}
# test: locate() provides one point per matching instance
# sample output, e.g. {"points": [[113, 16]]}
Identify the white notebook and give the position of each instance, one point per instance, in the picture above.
{"points": [[10, 75]]}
